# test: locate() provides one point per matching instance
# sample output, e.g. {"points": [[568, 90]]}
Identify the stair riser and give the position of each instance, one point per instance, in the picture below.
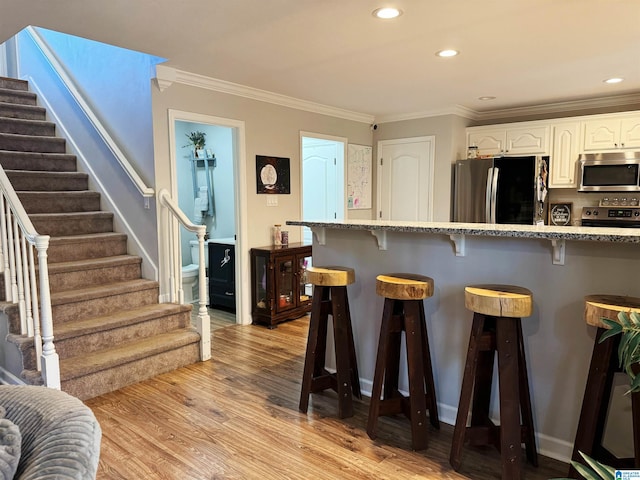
{"points": [[94, 307], [60, 282], [26, 143], [38, 161], [14, 84], [18, 97], [93, 342], [60, 202], [69, 252], [27, 112], [43, 182], [21, 127], [58, 226], [112, 379]]}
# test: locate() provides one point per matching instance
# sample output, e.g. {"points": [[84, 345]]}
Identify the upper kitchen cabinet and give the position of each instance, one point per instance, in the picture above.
{"points": [[509, 140], [565, 151], [611, 132]]}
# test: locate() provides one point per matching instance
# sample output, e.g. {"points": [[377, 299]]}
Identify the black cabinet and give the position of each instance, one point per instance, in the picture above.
{"points": [[222, 275], [279, 289]]}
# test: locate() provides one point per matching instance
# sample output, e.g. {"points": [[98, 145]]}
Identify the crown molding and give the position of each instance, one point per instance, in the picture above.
{"points": [[165, 79], [455, 110], [560, 107]]}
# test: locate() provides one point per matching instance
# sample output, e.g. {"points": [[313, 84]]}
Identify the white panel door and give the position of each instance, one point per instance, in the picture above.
{"points": [[405, 179], [323, 181]]}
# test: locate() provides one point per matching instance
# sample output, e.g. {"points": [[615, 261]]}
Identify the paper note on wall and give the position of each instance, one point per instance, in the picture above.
{"points": [[358, 176]]}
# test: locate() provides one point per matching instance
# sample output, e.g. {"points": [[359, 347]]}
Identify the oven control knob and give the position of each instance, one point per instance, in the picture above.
{"points": [[595, 213], [588, 212], [636, 213]]}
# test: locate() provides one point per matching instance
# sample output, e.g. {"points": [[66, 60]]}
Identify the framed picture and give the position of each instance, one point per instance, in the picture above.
{"points": [[560, 214], [272, 175]]}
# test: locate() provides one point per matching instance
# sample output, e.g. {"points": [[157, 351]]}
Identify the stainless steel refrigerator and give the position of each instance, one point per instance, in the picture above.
{"points": [[501, 190]]}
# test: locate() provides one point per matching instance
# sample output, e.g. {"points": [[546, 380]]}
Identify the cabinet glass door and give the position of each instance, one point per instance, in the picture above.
{"points": [[305, 289], [284, 283], [261, 295]]}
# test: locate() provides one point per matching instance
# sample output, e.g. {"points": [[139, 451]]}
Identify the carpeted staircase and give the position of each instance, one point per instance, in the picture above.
{"points": [[109, 329]]}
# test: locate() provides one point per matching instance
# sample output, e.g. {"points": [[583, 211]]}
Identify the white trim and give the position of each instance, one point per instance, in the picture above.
{"points": [[3, 60], [458, 110], [243, 299], [165, 76]]}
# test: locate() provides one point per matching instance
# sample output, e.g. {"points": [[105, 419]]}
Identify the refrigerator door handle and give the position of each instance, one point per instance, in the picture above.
{"points": [[487, 196], [494, 194]]}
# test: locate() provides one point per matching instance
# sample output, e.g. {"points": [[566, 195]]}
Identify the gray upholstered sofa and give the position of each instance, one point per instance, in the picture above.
{"points": [[46, 434]]}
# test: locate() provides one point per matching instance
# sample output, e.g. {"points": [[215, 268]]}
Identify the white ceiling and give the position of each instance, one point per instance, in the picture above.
{"points": [[334, 52]]}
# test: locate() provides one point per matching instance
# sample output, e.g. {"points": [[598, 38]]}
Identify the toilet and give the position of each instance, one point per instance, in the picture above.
{"points": [[190, 272]]}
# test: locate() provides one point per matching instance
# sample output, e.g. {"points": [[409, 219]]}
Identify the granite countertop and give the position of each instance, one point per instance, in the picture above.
{"points": [[599, 234]]}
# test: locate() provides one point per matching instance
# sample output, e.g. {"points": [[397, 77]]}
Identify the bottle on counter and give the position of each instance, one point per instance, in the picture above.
{"points": [[277, 235]]}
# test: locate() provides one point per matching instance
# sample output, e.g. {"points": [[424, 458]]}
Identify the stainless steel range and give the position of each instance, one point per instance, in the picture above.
{"points": [[611, 216]]}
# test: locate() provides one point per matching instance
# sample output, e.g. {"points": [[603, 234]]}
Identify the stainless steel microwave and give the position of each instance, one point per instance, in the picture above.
{"points": [[610, 172]]}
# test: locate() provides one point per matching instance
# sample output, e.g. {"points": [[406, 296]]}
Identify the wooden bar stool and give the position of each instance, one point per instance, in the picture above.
{"points": [[404, 295], [496, 328], [330, 298], [595, 403]]}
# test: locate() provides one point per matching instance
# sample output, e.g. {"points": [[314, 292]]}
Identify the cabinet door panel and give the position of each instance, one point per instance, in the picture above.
{"points": [[528, 141], [601, 134], [564, 155], [488, 142], [630, 133]]}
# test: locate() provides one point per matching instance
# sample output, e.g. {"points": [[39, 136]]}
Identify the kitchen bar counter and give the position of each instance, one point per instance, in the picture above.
{"points": [[459, 231], [557, 339]]}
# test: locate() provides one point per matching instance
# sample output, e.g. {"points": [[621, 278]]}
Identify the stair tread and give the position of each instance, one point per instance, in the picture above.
{"points": [[85, 237], [118, 319], [74, 367], [93, 263], [99, 213], [107, 289]]}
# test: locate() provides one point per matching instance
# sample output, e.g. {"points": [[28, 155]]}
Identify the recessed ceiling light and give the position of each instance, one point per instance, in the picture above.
{"points": [[487, 97], [387, 12], [613, 80], [447, 53]]}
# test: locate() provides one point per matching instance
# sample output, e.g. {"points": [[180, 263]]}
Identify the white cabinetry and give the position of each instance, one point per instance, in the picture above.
{"points": [[565, 151], [611, 133], [502, 140]]}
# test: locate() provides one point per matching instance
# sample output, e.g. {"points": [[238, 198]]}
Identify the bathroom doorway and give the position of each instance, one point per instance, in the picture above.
{"points": [[323, 178], [208, 186]]}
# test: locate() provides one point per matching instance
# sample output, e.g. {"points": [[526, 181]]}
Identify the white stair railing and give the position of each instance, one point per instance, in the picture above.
{"points": [[18, 240], [171, 213]]}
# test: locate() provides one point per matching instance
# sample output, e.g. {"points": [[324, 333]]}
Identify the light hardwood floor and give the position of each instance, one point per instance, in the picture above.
{"points": [[236, 417]]}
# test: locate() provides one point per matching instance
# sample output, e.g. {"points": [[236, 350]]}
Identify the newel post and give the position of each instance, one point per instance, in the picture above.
{"points": [[50, 362], [203, 322]]}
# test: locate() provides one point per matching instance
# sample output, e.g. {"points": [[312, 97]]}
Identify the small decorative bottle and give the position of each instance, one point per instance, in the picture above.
{"points": [[277, 235]]}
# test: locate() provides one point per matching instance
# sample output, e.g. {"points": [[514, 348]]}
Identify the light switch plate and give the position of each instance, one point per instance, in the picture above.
{"points": [[272, 200]]}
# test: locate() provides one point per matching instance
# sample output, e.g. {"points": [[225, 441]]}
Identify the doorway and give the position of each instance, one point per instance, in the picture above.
{"points": [[323, 178], [405, 179], [225, 182]]}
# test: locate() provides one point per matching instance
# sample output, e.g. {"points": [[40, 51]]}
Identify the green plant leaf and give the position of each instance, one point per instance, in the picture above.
{"points": [[635, 382], [604, 471], [614, 330], [635, 318], [587, 473], [624, 319]]}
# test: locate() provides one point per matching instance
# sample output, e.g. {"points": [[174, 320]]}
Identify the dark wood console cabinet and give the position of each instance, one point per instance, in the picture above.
{"points": [[279, 290], [222, 275]]}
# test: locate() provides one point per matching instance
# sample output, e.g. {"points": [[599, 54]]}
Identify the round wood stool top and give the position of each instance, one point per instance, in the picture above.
{"points": [[608, 306], [331, 276], [404, 286], [499, 300]]}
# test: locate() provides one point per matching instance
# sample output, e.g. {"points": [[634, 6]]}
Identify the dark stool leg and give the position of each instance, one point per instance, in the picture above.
{"points": [[316, 345], [596, 398], [343, 352], [415, 367], [428, 372], [482, 395], [455, 457], [381, 362], [525, 401], [635, 411], [353, 362], [508, 368]]}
